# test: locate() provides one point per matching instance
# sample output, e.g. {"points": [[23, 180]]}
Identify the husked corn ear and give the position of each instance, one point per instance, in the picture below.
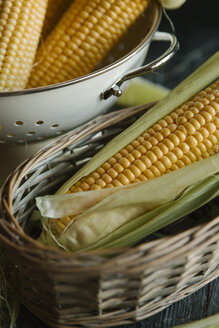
{"points": [[188, 134], [55, 9], [83, 36], [20, 28]]}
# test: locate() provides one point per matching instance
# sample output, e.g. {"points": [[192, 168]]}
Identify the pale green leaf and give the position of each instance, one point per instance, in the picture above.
{"points": [[141, 91]]}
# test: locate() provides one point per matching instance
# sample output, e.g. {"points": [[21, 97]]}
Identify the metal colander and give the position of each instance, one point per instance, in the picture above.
{"points": [[35, 114]]}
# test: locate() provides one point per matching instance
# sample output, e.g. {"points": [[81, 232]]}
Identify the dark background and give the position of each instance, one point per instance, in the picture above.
{"points": [[197, 29]]}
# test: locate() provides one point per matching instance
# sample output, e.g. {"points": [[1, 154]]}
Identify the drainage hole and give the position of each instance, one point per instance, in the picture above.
{"points": [[54, 126], [30, 133], [60, 132], [11, 135], [39, 122], [121, 46], [19, 123], [111, 59]]}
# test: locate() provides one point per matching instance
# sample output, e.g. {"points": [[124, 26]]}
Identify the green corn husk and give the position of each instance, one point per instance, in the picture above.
{"points": [[210, 322], [197, 195], [120, 217]]}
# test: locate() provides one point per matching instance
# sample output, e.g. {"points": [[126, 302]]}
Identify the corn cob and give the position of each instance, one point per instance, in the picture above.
{"points": [[55, 9], [20, 27], [188, 134], [83, 36]]}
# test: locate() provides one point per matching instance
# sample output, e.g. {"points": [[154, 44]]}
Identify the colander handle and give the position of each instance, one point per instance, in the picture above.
{"points": [[115, 89]]}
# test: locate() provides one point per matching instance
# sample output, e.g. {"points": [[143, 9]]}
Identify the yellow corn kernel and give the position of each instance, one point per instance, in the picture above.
{"points": [[93, 27], [20, 28]]}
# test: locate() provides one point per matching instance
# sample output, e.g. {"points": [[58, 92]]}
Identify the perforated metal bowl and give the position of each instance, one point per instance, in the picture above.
{"points": [[34, 114]]}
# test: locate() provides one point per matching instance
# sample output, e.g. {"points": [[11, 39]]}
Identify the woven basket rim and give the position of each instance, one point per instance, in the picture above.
{"points": [[58, 144], [185, 241]]}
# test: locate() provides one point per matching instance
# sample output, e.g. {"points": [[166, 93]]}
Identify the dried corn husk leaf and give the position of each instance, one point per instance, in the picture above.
{"points": [[127, 205], [56, 206], [193, 198], [203, 76]]}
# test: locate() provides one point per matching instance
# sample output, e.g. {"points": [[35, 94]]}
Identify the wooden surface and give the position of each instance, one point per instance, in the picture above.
{"points": [[201, 304]]}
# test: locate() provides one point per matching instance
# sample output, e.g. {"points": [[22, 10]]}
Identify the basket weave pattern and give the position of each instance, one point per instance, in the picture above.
{"points": [[100, 288]]}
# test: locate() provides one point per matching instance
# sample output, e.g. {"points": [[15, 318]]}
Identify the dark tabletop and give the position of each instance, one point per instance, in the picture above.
{"points": [[197, 29]]}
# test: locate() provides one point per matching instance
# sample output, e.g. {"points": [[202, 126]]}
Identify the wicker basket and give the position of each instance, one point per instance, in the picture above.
{"points": [[100, 288]]}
